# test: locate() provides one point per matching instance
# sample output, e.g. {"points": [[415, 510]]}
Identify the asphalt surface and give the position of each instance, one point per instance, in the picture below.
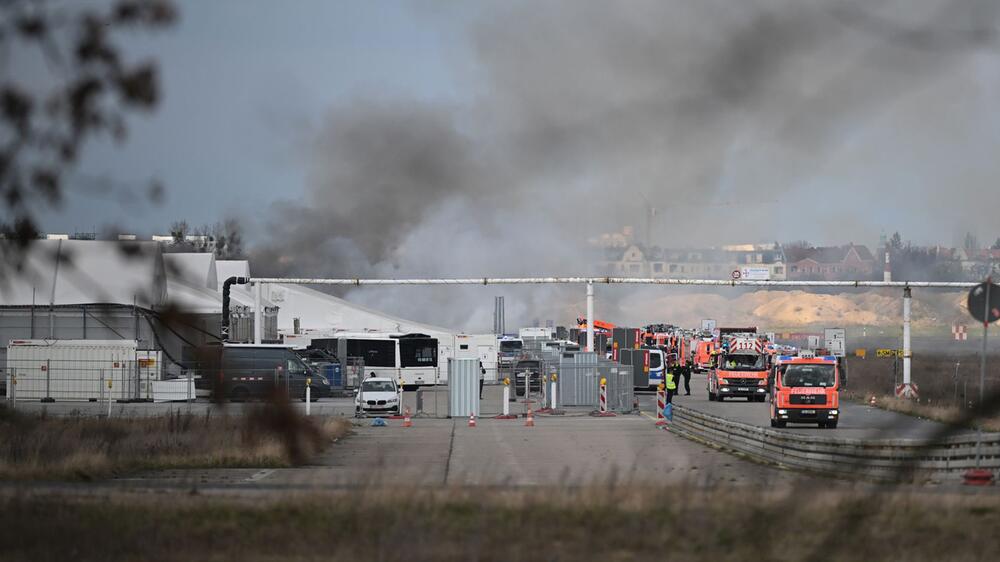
{"points": [[431, 402], [856, 421], [571, 450]]}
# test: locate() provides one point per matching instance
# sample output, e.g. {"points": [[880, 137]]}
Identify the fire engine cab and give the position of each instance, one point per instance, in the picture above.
{"points": [[740, 370], [805, 390]]}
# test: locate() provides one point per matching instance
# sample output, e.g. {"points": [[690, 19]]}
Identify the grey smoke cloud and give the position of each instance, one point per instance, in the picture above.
{"points": [[577, 108]]}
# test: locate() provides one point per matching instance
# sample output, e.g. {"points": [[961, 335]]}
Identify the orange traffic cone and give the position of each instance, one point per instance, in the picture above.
{"points": [[472, 420], [529, 420], [406, 419]]}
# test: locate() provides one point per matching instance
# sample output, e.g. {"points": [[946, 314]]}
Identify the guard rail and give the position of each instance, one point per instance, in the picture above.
{"points": [[883, 459]]}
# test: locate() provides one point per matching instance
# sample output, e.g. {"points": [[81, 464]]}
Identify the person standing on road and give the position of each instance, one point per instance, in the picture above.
{"points": [[671, 386], [482, 376], [686, 373]]}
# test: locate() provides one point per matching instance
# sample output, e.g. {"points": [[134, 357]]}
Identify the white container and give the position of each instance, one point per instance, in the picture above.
{"points": [[68, 370]]}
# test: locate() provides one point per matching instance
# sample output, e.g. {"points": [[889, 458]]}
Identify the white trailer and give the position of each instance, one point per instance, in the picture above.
{"points": [[83, 370], [478, 346]]}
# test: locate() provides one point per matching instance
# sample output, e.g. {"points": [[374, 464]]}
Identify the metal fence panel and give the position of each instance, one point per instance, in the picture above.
{"points": [[621, 393], [578, 379], [463, 387]]}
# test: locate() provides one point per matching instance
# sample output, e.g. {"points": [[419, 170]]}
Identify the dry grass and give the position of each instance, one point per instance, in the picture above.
{"points": [[527, 524], [947, 413], [943, 397], [77, 448]]}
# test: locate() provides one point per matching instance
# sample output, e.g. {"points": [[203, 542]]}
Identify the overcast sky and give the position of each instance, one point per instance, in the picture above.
{"points": [[795, 120], [244, 82]]}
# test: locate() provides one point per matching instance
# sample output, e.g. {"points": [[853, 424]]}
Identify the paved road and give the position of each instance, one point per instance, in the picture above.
{"points": [[856, 421], [434, 403], [559, 450]]}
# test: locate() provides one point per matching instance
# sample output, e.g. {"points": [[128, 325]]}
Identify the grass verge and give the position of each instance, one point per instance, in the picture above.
{"points": [[948, 414], [507, 525], [35, 447]]}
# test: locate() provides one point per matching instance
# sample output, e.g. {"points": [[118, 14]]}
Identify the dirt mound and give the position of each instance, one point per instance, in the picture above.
{"points": [[794, 308]]}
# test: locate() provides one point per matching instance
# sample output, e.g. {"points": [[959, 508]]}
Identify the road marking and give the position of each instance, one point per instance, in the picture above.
{"points": [[260, 475]]}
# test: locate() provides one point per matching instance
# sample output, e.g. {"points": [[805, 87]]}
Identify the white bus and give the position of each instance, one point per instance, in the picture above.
{"points": [[411, 359]]}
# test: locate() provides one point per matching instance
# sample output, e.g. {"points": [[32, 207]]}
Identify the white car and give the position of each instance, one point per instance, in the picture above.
{"points": [[378, 395]]}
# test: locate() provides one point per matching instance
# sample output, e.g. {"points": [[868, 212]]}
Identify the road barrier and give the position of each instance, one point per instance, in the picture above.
{"points": [[505, 406], [883, 459], [661, 404]]}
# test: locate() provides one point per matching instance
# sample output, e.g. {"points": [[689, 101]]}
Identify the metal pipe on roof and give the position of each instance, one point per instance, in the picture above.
{"points": [[226, 287], [258, 318], [615, 280]]}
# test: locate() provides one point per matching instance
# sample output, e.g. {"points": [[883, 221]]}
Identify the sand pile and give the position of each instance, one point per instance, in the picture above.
{"points": [[794, 308]]}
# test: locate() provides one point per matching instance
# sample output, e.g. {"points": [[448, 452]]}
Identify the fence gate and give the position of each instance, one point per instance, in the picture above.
{"points": [[621, 393], [579, 379]]}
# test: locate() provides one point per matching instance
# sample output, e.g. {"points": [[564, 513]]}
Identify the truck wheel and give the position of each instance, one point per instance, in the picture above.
{"points": [[711, 397], [822, 425], [831, 425], [719, 398], [778, 423]]}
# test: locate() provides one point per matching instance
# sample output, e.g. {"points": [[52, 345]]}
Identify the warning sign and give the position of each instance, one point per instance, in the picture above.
{"points": [[888, 353]]}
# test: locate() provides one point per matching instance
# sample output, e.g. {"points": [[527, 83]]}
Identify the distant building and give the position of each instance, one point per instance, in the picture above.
{"points": [[831, 263], [705, 263]]}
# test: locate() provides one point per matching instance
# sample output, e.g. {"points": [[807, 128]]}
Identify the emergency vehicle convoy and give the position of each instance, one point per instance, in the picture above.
{"points": [[741, 368], [805, 389]]}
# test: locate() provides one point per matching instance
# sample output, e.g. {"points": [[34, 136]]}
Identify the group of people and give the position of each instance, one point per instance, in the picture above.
{"points": [[671, 381]]}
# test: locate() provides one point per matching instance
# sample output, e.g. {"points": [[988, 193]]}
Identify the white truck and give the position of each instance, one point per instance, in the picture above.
{"points": [[478, 346], [535, 333]]}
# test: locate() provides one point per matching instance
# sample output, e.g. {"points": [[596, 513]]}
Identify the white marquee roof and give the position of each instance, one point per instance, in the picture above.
{"points": [[65, 272]]}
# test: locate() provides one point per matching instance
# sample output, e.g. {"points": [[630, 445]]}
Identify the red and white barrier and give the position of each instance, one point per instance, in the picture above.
{"points": [[602, 405], [661, 404]]}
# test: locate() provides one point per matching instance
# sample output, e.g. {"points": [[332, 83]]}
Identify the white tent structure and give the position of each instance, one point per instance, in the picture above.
{"points": [[108, 290], [191, 283], [86, 289], [75, 272]]}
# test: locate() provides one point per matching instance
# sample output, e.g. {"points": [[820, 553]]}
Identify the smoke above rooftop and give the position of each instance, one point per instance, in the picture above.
{"points": [[738, 121]]}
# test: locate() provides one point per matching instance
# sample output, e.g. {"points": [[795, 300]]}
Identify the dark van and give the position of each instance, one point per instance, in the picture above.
{"points": [[248, 371]]}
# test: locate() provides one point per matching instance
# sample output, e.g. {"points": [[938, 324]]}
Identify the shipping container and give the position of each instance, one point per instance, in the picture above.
{"points": [[84, 370]]}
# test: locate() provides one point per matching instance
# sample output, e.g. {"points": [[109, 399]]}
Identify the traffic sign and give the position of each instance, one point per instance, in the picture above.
{"points": [[959, 332], [755, 273], [977, 302]]}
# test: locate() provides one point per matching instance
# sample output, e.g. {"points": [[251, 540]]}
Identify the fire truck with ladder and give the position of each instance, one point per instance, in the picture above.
{"points": [[740, 369]]}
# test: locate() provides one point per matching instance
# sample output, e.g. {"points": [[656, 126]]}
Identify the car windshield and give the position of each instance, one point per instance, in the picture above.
{"points": [[654, 361], [378, 386], [745, 362], [809, 375], [509, 346]]}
